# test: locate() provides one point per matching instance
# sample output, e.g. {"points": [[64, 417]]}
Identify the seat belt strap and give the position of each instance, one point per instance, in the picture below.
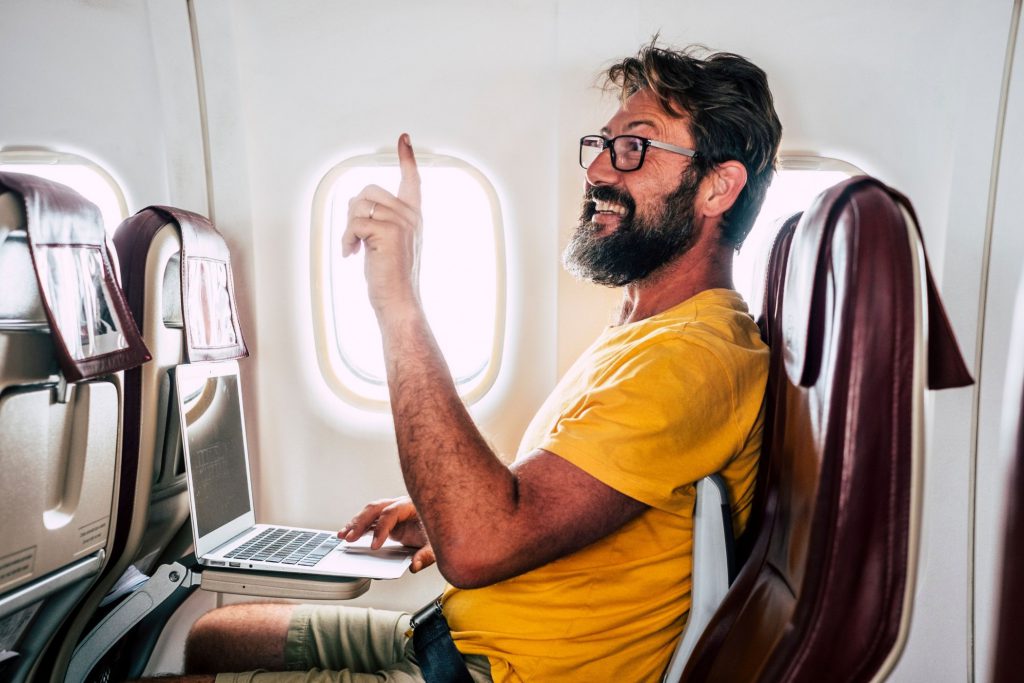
{"points": [[435, 650]]}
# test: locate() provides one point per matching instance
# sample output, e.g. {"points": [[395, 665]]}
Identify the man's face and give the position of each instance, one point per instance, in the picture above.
{"points": [[634, 222]]}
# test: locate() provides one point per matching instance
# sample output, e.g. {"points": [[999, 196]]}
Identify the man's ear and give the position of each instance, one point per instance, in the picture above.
{"points": [[721, 186]]}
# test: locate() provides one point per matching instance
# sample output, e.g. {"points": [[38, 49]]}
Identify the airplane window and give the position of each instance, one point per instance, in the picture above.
{"points": [[798, 181], [87, 178], [462, 279]]}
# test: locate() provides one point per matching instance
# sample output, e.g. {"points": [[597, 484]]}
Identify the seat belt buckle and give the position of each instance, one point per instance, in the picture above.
{"points": [[431, 610]]}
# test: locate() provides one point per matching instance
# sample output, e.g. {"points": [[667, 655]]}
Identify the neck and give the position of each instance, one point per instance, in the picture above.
{"points": [[707, 265]]}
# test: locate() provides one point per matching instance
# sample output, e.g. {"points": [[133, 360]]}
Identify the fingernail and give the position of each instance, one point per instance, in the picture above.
{"points": [[406, 140]]}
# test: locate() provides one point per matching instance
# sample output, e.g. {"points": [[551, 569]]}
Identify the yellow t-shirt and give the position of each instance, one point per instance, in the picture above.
{"points": [[649, 409]]}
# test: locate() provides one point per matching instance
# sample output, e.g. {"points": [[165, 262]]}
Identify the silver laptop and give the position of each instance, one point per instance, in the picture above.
{"points": [[209, 397]]}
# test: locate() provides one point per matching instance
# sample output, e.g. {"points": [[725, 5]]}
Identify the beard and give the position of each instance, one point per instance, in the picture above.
{"points": [[640, 245]]}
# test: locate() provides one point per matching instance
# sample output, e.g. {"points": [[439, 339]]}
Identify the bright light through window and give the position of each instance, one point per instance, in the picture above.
{"points": [[461, 276], [77, 173], [798, 181]]}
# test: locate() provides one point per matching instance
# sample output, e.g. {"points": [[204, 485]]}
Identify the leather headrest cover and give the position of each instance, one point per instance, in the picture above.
{"points": [[207, 310], [853, 201], [93, 331]]}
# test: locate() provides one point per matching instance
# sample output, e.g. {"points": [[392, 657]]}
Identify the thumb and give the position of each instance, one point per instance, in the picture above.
{"points": [[409, 188], [423, 558]]}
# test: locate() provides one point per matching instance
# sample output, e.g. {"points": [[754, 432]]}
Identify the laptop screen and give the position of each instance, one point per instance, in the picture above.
{"points": [[214, 434]]}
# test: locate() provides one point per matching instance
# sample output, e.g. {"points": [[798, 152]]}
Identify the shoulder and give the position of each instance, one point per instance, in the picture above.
{"points": [[708, 339]]}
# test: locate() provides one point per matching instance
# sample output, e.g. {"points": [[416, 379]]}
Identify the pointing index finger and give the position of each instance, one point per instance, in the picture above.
{"points": [[409, 188]]}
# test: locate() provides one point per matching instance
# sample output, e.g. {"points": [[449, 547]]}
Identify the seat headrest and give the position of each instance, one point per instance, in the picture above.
{"points": [[21, 307], [171, 312], [852, 203], [208, 310], [94, 333]]}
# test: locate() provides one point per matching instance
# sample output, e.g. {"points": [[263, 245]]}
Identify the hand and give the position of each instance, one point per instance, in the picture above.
{"points": [[395, 518], [390, 228]]}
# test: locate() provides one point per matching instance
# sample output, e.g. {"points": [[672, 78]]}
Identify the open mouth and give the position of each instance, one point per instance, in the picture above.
{"points": [[607, 208]]}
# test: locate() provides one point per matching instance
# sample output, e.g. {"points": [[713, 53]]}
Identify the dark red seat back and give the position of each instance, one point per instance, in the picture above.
{"points": [[1008, 662], [824, 592]]}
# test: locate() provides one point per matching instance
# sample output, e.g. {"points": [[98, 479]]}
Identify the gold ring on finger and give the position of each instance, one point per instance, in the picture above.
{"points": [[373, 207]]}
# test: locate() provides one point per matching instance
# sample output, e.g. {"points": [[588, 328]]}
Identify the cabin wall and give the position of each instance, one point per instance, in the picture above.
{"points": [[110, 81], [1002, 287], [236, 109], [367, 76]]}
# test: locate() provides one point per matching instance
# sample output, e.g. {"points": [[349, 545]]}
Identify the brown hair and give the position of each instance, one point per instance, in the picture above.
{"points": [[730, 110]]}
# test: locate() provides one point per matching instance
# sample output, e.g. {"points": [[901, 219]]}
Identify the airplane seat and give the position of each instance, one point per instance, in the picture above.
{"points": [[177, 279], [65, 338], [1007, 657], [150, 248], [856, 331]]}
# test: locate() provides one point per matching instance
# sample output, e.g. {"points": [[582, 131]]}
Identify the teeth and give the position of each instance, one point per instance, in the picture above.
{"points": [[608, 207]]}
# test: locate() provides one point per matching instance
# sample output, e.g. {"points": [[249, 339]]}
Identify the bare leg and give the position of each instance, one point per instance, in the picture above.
{"points": [[239, 637]]}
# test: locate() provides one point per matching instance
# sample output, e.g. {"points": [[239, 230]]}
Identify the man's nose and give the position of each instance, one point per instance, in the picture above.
{"points": [[601, 171]]}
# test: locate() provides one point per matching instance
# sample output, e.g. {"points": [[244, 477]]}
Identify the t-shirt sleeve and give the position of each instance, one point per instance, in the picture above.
{"points": [[652, 422]]}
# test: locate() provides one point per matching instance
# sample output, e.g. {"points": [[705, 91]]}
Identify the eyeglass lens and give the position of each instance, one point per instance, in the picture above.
{"points": [[628, 151]]}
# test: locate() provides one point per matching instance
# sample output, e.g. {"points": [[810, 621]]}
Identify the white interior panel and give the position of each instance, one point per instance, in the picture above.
{"points": [[1007, 255], [110, 81]]}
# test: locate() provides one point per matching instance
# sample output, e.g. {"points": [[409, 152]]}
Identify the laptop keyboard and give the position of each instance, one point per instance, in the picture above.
{"points": [[286, 546]]}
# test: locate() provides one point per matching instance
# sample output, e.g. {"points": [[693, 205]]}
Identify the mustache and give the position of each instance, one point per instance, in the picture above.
{"points": [[605, 193]]}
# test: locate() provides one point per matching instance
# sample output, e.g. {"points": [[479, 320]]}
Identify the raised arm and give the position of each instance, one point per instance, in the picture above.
{"points": [[485, 521]]}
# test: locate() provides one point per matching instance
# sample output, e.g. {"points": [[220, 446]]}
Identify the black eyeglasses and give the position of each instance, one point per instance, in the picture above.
{"points": [[628, 151]]}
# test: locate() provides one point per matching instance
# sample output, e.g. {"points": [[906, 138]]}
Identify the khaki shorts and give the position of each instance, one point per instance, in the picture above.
{"points": [[350, 645]]}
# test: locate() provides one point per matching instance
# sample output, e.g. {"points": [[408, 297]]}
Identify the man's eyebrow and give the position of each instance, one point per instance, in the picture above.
{"points": [[639, 123], [605, 131]]}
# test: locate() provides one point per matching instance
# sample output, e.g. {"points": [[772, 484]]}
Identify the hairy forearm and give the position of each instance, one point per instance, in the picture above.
{"points": [[464, 494], [485, 521]]}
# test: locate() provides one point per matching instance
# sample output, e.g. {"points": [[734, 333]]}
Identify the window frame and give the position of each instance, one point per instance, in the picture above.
{"points": [[805, 161], [787, 161], [334, 369], [41, 156]]}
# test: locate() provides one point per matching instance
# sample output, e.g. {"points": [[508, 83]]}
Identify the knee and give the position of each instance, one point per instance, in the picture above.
{"points": [[204, 638], [238, 638], [209, 635]]}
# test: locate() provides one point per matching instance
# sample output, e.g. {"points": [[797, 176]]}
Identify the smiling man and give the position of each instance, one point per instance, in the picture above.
{"points": [[573, 563]]}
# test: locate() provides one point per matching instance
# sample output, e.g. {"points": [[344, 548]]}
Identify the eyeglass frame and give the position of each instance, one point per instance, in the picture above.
{"points": [[609, 144]]}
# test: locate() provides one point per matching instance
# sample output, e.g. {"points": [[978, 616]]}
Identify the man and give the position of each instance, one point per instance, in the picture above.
{"points": [[574, 562]]}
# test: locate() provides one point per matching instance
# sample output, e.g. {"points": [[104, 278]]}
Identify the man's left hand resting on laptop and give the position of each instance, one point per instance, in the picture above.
{"points": [[395, 518]]}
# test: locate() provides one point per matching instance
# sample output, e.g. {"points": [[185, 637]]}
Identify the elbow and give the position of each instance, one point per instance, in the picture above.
{"points": [[472, 569]]}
